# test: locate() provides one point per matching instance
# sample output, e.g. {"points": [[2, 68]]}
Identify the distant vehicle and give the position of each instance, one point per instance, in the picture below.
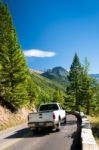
{"points": [[49, 115]]}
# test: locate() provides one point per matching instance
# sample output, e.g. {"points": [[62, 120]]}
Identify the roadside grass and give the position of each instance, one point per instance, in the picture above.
{"points": [[9, 119], [11, 123], [94, 120]]}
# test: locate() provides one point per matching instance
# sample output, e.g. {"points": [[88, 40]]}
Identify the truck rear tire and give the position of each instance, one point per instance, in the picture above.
{"points": [[35, 131], [58, 125], [65, 120]]}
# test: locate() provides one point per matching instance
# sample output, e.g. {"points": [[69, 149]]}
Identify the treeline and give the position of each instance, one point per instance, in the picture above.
{"points": [[81, 91], [48, 90], [15, 80]]}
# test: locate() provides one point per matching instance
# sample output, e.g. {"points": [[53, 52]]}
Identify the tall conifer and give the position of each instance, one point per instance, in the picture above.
{"points": [[13, 72], [88, 88], [75, 80]]}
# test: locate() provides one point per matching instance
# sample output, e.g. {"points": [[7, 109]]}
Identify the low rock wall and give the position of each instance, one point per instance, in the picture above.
{"points": [[87, 138]]}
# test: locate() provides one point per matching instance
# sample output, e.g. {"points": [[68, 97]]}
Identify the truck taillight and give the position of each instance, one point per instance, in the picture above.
{"points": [[53, 116]]}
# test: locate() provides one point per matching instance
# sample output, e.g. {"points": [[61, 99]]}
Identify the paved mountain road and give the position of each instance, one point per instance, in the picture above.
{"points": [[24, 139]]}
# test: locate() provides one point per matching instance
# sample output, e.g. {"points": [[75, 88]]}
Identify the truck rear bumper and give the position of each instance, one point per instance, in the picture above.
{"points": [[40, 125]]}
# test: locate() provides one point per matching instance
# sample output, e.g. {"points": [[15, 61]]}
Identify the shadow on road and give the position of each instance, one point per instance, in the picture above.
{"points": [[77, 137], [27, 133]]}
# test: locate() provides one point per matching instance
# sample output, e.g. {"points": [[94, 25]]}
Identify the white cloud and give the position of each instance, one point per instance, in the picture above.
{"points": [[38, 53]]}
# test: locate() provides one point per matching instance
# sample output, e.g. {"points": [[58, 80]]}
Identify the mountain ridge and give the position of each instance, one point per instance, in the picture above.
{"points": [[58, 74], [94, 75]]}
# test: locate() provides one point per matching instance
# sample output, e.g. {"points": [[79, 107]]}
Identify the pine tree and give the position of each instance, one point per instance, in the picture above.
{"points": [[96, 107], [32, 92], [1, 47], [81, 87], [87, 89], [74, 78], [13, 69], [58, 96]]}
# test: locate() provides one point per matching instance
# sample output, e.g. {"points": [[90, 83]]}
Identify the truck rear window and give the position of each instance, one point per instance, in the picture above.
{"points": [[48, 107]]}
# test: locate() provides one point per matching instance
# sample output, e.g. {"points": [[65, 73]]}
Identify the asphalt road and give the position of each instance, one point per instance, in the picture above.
{"points": [[23, 139]]}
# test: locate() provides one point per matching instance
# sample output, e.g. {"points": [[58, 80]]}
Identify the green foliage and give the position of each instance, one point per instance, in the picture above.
{"points": [[81, 89], [69, 102], [96, 100], [32, 92], [46, 90], [44, 83], [13, 68], [58, 96], [87, 89], [75, 81]]}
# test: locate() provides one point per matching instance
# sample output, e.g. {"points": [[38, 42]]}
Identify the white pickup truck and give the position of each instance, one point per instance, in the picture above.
{"points": [[49, 115]]}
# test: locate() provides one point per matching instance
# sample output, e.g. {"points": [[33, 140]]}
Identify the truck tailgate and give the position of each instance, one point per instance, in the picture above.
{"points": [[41, 116]]}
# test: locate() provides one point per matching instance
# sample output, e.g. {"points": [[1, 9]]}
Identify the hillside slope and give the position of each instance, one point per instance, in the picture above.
{"points": [[45, 88], [45, 83]]}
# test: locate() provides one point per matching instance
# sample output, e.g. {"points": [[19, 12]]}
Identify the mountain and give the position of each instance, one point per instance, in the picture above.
{"points": [[58, 74], [94, 75]]}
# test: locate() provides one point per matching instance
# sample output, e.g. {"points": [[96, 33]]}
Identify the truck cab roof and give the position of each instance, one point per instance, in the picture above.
{"points": [[49, 107]]}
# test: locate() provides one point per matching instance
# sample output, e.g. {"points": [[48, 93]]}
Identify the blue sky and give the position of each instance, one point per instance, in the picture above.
{"points": [[51, 31]]}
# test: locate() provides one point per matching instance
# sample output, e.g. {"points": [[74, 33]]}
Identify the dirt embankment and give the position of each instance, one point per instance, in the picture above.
{"points": [[8, 119]]}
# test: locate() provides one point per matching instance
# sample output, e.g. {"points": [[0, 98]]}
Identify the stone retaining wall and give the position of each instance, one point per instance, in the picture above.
{"points": [[87, 138]]}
